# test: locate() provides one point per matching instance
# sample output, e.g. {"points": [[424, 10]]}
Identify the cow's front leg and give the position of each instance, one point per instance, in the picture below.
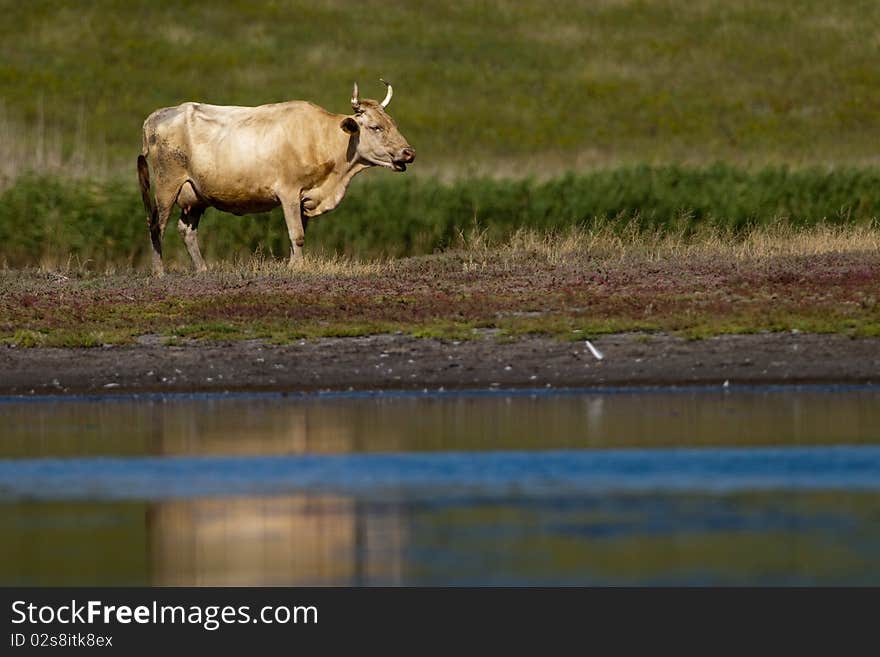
{"points": [[295, 228]]}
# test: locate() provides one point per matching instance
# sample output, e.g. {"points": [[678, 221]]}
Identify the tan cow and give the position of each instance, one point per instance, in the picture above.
{"points": [[252, 159]]}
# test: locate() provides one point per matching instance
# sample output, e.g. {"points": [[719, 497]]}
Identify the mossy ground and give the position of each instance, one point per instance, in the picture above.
{"points": [[821, 280]]}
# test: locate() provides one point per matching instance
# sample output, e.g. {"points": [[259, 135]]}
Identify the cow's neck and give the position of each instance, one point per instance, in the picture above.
{"points": [[327, 194]]}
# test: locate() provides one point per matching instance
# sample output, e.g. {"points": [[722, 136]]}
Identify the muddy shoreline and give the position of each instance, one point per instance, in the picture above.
{"points": [[401, 362]]}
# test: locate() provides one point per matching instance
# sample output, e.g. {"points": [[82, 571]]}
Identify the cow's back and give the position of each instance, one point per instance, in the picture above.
{"points": [[235, 156]]}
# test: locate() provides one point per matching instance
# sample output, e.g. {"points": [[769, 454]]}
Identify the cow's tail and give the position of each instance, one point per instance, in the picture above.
{"points": [[149, 205]]}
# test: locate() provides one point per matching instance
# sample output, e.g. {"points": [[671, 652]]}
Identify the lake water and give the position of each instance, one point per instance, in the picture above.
{"points": [[693, 487]]}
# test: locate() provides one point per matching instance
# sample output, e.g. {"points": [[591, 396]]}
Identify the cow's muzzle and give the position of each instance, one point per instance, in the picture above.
{"points": [[407, 156]]}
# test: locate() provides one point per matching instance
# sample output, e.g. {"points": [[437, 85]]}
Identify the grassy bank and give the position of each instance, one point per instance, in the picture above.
{"points": [[822, 279], [54, 221], [517, 87]]}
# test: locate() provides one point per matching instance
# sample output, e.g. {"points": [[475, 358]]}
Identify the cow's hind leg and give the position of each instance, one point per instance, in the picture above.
{"points": [[166, 196], [188, 227], [157, 232]]}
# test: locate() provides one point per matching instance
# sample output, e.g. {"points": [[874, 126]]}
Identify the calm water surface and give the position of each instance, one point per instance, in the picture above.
{"points": [[760, 486]]}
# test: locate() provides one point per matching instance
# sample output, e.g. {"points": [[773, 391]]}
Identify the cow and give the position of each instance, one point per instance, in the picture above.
{"points": [[251, 159]]}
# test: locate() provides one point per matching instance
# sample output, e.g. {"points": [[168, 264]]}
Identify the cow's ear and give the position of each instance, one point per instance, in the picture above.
{"points": [[349, 125]]}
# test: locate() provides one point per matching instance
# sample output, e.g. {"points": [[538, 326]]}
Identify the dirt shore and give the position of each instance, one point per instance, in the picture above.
{"points": [[401, 362]]}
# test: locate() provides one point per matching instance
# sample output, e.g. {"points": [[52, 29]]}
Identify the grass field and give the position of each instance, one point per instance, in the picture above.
{"points": [[99, 224], [489, 87], [592, 166], [824, 279]]}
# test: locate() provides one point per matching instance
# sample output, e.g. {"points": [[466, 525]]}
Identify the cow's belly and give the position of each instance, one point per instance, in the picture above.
{"points": [[236, 196], [249, 207]]}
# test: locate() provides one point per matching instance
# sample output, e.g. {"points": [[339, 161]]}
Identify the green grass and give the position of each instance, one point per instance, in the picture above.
{"points": [[535, 114], [100, 224], [510, 87]]}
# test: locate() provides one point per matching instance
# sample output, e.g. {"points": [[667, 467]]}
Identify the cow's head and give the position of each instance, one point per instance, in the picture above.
{"points": [[377, 141]]}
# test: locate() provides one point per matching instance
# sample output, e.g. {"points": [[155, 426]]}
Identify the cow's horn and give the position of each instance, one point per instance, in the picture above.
{"points": [[387, 95], [355, 103]]}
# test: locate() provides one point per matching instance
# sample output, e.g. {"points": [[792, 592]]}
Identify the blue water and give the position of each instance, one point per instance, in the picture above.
{"points": [[447, 474]]}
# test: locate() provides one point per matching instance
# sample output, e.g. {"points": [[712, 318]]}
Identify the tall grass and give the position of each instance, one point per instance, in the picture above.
{"points": [[607, 242], [50, 220], [40, 146]]}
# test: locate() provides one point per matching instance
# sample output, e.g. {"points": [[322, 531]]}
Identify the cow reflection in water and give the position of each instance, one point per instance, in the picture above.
{"points": [[264, 541], [283, 540]]}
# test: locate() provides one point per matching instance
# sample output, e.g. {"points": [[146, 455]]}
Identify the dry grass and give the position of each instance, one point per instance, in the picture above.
{"points": [[46, 148], [603, 243], [824, 238], [609, 242], [257, 266], [311, 266]]}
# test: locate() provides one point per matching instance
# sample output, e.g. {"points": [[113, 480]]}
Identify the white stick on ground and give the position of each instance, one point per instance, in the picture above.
{"points": [[594, 351]]}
